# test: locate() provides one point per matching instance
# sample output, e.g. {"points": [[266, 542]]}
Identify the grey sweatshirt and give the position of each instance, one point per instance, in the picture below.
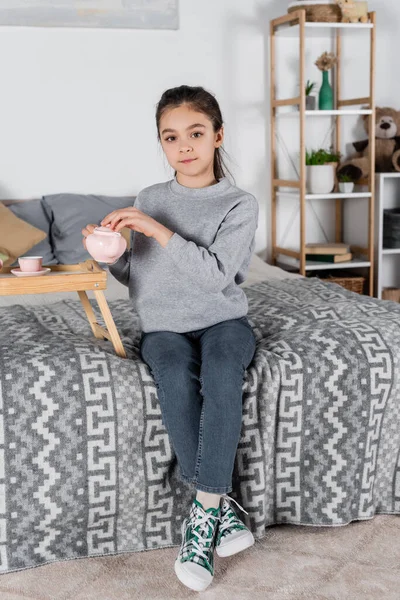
{"points": [[193, 282]]}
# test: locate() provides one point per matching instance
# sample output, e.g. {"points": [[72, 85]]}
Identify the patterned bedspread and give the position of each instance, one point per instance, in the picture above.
{"points": [[86, 467]]}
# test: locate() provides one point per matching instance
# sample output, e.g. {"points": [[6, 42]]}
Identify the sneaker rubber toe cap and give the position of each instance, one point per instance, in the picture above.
{"points": [[192, 575], [238, 541]]}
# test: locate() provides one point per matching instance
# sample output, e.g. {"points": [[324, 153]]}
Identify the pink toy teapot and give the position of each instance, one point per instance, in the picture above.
{"points": [[105, 245]]}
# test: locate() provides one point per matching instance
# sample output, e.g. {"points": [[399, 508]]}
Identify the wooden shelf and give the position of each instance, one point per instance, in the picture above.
{"points": [[390, 250], [322, 29], [331, 196], [324, 113], [388, 174], [348, 26], [314, 265]]}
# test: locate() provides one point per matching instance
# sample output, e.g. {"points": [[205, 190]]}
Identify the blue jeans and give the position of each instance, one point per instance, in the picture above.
{"points": [[199, 377]]}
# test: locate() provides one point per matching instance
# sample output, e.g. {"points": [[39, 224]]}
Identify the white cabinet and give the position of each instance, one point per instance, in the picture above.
{"points": [[387, 260]]}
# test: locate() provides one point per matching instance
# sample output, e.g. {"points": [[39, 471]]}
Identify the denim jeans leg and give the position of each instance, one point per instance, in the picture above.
{"points": [[174, 361], [227, 349]]}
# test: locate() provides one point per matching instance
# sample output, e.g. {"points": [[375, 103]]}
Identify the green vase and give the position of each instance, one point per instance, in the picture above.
{"points": [[325, 101]]}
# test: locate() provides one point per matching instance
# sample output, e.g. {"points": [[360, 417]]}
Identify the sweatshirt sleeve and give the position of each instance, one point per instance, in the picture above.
{"points": [[213, 268], [120, 269]]}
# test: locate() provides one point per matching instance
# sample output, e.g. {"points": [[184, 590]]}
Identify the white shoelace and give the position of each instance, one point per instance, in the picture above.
{"points": [[233, 499], [203, 521], [225, 524]]}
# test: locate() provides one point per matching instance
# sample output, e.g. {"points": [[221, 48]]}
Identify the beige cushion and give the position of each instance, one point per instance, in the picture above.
{"points": [[16, 236]]}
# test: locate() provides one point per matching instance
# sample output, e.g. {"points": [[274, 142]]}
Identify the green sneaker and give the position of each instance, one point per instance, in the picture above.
{"points": [[232, 536], [194, 565]]}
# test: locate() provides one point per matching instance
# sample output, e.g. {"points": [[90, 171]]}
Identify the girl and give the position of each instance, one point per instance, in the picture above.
{"points": [[192, 244]]}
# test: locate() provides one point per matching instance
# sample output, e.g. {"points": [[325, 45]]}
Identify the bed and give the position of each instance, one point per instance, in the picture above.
{"points": [[87, 468]]}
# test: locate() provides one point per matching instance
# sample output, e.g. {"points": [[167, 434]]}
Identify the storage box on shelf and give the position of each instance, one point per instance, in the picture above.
{"points": [[353, 284], [295, 23], [318, 11]]}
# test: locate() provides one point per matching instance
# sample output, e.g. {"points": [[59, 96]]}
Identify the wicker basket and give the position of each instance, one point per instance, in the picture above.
{"points": [[353, 284], [318, 11], [391, 293]]}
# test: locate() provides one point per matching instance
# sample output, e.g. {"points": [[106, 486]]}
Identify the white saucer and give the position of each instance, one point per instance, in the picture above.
{"points": [[20, 273]]}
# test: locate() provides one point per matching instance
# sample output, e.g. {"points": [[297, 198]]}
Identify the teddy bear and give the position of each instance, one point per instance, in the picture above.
{"points": [[387, 146], [353, 11]]}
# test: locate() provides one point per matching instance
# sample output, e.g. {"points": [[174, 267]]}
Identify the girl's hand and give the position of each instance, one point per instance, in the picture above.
{"points": [[87, 231], [134, 219]]}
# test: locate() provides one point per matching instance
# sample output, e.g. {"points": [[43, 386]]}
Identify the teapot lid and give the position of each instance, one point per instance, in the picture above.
{"points": [[106, 230]]}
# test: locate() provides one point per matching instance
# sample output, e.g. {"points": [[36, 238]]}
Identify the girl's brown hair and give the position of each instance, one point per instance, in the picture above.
{"points": [[199, 99]]}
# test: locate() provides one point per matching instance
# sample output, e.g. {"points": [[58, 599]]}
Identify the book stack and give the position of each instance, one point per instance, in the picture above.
{"points": [[328, 253]]}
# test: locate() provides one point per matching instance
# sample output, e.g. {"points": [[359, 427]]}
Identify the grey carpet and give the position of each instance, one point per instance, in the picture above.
{"points": [[357, 561]]}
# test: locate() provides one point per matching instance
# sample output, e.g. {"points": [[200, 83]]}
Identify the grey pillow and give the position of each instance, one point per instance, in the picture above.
{"points": [[70, 213], [33, 213]]}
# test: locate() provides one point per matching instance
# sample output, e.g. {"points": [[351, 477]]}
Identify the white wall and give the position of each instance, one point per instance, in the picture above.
{"points": [[78, 105]]}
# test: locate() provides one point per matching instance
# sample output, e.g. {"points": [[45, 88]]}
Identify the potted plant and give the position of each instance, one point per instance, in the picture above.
{"points": [[321, 167], [310, 100], [346, 184], [324, 63]]}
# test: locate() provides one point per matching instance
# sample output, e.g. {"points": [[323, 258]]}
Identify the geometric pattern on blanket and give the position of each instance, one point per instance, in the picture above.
{"points": [[86, 465]]}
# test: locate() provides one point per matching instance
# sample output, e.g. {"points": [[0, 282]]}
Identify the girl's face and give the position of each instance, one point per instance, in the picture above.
{"points": [[189, 141]]}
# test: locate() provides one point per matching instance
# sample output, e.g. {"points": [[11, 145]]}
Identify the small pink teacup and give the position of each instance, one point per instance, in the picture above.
{"points": [[30, 264]]}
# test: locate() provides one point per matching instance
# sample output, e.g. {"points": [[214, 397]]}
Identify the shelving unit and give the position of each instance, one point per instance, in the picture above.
{"points": [[295, 24], [386, 274]]}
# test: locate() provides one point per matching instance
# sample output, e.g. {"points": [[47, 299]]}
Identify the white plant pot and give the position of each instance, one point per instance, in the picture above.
{"points": [[320, 178], [346, 187]]}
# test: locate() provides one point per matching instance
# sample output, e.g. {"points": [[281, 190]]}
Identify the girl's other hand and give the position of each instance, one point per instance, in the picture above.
{"points": [[87, 231], [134, 219]]}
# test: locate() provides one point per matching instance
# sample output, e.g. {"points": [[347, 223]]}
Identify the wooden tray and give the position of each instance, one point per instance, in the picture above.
{"points": [[70, 278], [62, 278]]}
